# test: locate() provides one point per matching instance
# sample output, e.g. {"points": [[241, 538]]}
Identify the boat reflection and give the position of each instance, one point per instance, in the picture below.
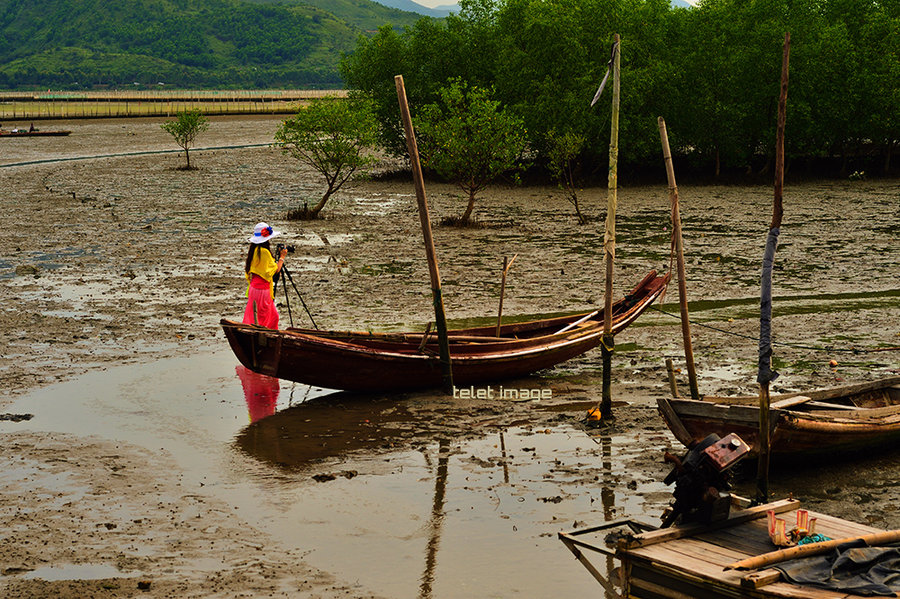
{"points": [[325, 427]]}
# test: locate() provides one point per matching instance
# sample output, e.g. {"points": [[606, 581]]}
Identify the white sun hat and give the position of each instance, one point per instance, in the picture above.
{"points": [[262, 233]]}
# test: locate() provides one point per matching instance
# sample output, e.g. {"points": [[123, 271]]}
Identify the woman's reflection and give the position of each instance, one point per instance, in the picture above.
{"points": [[260, 392]]}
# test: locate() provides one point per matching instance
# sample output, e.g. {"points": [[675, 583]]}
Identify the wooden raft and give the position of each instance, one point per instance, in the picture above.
{"points": [[688, 561]]}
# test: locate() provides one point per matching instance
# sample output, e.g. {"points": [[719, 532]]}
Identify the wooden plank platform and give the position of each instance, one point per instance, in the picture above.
{"points": [[693, 565], [689, 561]]}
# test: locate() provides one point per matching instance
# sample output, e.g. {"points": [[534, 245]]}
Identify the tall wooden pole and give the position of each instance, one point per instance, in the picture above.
{"points": [[679, 260], [766, 374], [439, 318], [507, 264], [609, 238]]}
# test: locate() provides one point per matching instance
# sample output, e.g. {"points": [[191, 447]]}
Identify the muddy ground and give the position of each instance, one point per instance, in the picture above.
{"points": [[128, 260]]}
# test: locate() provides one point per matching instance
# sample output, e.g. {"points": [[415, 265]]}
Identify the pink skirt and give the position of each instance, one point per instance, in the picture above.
{"points": [[260, 308]]}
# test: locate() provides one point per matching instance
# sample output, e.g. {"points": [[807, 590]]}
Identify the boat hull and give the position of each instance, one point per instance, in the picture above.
{"points": [[368, 362], [34, 133], [826, 422]]}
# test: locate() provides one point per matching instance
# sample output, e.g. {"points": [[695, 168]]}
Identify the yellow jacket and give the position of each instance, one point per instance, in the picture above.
{"points": [[263, 265]]}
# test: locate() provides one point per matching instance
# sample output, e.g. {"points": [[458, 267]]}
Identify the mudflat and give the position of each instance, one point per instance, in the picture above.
{"points": [[125, 261]]}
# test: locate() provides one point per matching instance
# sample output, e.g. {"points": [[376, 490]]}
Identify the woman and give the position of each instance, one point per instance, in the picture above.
{"points": [[260, 269]]}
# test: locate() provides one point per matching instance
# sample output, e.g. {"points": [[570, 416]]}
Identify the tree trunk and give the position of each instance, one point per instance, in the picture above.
{"points": [[314, 212], [187, 157], [582, 220], [889, 149], [845, 162], [464, 219]]}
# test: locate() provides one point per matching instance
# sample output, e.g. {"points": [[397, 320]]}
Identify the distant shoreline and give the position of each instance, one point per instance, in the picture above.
{"points": [[59, 104]]}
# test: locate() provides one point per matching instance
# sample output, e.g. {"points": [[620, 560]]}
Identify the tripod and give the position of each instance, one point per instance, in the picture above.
{"points": [[287, 276]]}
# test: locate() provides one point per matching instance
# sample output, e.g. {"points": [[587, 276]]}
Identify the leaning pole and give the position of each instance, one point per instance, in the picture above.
{"points": [[439, 317]]}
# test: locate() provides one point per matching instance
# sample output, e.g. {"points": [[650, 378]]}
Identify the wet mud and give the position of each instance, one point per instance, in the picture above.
{"points": [[147, 461]]}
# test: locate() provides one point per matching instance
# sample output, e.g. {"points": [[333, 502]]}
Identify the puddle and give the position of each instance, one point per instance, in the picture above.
{"points": [[378, 204], [408, 507], [77, 572], [310, 239]]}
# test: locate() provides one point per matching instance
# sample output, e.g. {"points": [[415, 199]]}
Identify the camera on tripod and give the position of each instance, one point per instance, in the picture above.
{"points": [[290, 249]]}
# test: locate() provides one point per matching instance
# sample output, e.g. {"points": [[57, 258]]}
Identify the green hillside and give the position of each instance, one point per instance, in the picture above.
{"points": [[181, 43], [365, 15]]}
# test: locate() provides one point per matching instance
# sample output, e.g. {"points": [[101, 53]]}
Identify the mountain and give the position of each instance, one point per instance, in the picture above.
{"points": [[410, 6], [681, 4], [367, 15], [183, 43]]}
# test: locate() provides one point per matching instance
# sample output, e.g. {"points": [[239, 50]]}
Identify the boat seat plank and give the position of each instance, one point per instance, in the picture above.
{"points": [[789, 401], [831, 406]]}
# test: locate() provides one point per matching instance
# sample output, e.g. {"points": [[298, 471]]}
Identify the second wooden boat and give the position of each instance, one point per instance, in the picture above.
{"points": [[32, 133], [368, 362], [821, 422]]}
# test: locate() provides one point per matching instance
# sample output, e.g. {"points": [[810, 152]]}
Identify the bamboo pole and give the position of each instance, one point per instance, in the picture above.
{"points": [[679, 260], [762, 471], [506, 267], [609, 238], [875, 539], [439, 317], [673, 384]]}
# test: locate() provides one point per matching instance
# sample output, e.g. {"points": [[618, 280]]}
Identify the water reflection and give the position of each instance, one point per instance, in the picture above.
{"points": [[608, 504], [437, 518], [436, 493], [321, 428], [260, 392]]}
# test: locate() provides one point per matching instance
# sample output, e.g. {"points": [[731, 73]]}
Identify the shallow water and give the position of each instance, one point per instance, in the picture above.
{"points": [[442, 516], [429, 506]]}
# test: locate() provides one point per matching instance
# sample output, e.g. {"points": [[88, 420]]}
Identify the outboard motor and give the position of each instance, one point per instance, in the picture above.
{"points": [[702, 480]]}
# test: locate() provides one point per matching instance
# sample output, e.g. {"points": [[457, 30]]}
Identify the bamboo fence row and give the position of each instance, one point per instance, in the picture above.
{"points": [[103, 104]]}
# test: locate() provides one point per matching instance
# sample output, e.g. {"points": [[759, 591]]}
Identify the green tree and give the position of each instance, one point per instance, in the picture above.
{"points": [[563, 150], [332, 136], [185, 128], [469, 139], [371, 70]]}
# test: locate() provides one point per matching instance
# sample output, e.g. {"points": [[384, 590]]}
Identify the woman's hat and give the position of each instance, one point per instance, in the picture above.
{"points": [[263, 233]]}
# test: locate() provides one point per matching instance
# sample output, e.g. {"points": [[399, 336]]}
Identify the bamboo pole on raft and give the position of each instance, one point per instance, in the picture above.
{"points": [[679, 260], [766, 375], [439, 317], [609, 238], [875, 539]]}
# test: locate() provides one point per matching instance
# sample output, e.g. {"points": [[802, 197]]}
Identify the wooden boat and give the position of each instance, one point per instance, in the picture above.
{"points": [[702, 560], [825, 421], [32, 133], [366, 362]]}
